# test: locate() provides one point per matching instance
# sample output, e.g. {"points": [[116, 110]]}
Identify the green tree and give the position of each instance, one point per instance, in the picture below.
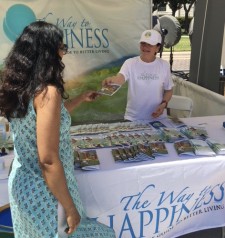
{"points": [[187, 4], [175, 5], [158, 3]]}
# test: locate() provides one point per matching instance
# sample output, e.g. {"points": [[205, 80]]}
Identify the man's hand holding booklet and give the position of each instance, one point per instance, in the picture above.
{"points": [[109, 89]]}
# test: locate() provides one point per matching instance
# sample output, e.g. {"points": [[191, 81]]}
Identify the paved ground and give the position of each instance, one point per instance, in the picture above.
{"points": [[210, 233], [181, 66], [180, 60]]}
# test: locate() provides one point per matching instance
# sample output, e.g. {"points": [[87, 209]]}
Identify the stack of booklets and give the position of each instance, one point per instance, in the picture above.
{"points": [[193, 132], [184, 147], [158, 148], [172, 135], [153, 136], [119, 139], [134, 153], [129, 126], [108, 128], [115, 139], [193, 147], [139, 152], [217, 147], [201, 147], [86, 160]]}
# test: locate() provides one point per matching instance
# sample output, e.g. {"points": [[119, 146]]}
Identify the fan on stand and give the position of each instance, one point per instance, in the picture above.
{"points": [[170, 29]]}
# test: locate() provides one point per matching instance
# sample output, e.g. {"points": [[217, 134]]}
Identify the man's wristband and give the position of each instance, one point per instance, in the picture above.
{"points": [[164, 101]]}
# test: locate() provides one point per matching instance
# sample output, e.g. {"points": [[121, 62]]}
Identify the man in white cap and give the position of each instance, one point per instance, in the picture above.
{"points": [[149, 80]]}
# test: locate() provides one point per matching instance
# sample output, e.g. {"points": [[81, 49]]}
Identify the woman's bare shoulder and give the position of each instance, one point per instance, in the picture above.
{"points": [[49, 95]]}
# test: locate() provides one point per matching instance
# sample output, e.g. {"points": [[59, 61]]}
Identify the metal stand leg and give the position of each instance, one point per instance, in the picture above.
{"points": [[223, 232], [171, 58]]}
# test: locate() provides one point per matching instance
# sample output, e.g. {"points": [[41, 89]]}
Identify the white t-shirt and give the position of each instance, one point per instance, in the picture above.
{"points": [[146, 85]]}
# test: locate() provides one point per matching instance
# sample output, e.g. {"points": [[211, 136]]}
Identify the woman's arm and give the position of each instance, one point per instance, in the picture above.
{"points": [[166, 97], [48, 110]]}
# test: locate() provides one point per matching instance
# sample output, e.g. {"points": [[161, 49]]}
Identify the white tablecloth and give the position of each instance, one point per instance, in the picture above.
{"points": [[166, 197]]}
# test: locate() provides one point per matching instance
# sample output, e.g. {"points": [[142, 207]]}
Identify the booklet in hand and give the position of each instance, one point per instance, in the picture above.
{"points": [[109, 89]]}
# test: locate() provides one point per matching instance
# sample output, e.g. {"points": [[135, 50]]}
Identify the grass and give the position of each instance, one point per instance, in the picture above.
{"points": [[182, 45], [105, 108], [6, 235]]}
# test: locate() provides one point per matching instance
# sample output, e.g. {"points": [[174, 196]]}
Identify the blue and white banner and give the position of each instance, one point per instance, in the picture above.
{"points": [[161, 200], [97, 32], [100, 34]]}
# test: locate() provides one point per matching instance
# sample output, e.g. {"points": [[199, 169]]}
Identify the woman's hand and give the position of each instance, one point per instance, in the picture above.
{"points": [[89, 96], [73, 220]]}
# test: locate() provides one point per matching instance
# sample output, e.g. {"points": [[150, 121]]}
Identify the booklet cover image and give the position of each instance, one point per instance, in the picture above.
{"points": [[109, 89]]}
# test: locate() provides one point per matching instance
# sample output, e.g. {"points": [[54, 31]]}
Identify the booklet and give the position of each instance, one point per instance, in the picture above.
{"points": [[118, 140], [86, 160], [136, 153], [172, 134], [145, 150], [135, 138], [202, 148], [106, 141], [123, 154], [217, 147], [184, 147], [116, 155], [89, 129], [83, 143], [77, 143], [152, 136], [175, 122], [157, 124], [129, 126], [109, 89], [193, 132], [158, 148]]}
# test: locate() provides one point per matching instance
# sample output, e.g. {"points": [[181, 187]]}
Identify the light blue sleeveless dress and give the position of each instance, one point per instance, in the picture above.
{"points": [[34, 208]]}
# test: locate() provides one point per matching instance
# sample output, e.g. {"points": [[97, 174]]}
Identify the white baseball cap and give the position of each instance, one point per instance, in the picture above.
{"points": [[151, 37]]}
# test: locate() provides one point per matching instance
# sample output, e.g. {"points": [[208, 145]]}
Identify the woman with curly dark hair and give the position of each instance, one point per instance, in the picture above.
{"points": [[42, 188]]}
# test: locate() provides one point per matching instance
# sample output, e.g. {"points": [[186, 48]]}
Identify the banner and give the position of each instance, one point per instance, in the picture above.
{"points": [[100, 35], [162, 200]]}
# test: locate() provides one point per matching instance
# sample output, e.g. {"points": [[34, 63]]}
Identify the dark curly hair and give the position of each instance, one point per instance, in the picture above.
{"points": [[32, 64]]}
